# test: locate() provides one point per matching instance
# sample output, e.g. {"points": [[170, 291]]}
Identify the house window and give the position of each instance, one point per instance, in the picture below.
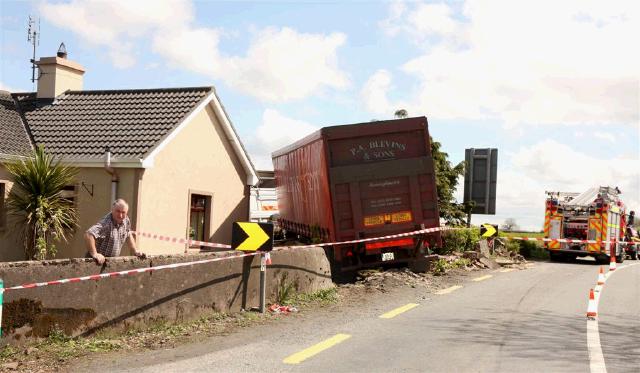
{"points": [[69, 192], [3, 209], [199, 217]]}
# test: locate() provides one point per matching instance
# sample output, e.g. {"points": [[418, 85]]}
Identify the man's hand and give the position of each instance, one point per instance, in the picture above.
{"points": [[99, 258], [140, 255]]}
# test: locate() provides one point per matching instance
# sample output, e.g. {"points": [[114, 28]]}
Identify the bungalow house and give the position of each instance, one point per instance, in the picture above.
{"points": [[172, 153]]}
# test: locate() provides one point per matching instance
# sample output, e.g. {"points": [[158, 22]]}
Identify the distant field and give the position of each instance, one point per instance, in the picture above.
{"points": [[523, 234]]}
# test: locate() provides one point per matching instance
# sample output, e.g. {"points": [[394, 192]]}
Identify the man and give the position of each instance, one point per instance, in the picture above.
{"points": [[107, 236]]}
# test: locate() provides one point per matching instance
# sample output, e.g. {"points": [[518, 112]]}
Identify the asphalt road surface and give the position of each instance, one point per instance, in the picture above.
{"points": [[530, 320]]}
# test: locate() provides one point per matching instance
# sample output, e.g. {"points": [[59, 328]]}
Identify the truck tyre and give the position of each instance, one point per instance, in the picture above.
{"points": [[554, 256], [603, 259], [620, 258], [634, 254]]}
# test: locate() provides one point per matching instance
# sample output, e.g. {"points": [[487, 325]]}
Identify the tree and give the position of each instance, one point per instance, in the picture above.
{"points": [[36, 199], [446, 184], [401, 113], [510, 225]]}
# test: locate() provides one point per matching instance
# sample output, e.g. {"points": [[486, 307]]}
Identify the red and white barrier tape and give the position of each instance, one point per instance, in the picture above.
{"points": [[180, 240], [217, 245], [125, 273], [570, 240]]}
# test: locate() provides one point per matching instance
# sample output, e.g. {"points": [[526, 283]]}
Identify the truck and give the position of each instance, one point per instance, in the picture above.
{"points": [[263, 204], [359, 181], [597, 214]]}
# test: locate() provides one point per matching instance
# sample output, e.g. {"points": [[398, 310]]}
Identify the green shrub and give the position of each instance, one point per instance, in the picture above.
{"points": [[459, 240]]}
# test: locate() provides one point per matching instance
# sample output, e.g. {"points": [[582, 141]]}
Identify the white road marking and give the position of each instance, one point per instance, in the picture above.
{"points": [[596, 358]]}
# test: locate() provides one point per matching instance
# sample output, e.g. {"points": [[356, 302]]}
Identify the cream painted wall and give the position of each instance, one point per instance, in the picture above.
{"points": [[11, 248], [90, 210], [199, 158]]}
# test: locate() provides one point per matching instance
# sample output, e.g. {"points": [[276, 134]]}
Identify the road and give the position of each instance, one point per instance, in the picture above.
{"points": [[519, 321]]}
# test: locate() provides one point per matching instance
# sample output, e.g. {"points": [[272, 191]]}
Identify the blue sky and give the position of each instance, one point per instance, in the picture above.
{"points": [[553, 85]]}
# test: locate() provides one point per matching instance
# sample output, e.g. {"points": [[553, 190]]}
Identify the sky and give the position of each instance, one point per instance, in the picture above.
{"points": [[553, 85]]}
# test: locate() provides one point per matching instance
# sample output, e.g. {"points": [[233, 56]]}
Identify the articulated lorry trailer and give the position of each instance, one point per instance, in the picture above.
{"points": [[358, 181], [597, 214]]}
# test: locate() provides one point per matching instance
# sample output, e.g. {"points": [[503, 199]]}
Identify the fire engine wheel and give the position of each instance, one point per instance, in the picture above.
{"points": [[555, 257], [634, 255], [620, 258]]}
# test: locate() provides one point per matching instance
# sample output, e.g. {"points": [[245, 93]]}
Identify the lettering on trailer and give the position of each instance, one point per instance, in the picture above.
{"points": [[377, 150], [252, 236]]}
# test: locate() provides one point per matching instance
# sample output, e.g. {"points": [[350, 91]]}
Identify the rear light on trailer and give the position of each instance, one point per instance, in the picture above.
{"points": [[392, 243]]}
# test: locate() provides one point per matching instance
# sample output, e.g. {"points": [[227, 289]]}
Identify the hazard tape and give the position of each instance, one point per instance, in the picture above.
{"points": [[177, 265], [623, 243], [124, 273], [210, 244], [180, 240]]}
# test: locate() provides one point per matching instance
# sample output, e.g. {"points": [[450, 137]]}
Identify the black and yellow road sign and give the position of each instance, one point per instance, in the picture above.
{"points": [[488, 230], [252, 236]]}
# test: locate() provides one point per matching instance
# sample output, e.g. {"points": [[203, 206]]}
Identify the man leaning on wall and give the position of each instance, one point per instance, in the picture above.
{"points": [[108, 235]]}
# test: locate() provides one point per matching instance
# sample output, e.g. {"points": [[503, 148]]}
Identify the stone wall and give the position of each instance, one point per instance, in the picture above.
{"points": [[183, 293]]}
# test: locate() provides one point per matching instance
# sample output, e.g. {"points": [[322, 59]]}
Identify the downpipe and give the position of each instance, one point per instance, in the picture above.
{"points": [[114, 175]]}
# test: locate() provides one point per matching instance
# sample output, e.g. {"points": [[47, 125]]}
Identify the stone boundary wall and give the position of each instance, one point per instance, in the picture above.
{"points": [[176, 294]]}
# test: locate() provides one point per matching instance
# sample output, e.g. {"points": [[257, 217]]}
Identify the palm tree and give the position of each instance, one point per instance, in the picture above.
{"points": [[401, 113], [36, 199]]}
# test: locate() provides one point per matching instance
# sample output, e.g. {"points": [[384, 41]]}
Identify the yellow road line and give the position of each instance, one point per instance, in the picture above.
{"points": [[482, 278], [398, 311], [299, 357], [507, 270], [448, 290]]}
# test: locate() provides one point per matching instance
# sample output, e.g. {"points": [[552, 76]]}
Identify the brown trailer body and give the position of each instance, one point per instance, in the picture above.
{"points": [[359, 181]]}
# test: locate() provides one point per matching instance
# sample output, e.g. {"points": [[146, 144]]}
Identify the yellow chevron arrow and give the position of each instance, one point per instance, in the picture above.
{"points": [[491, 230], [256, 238]]}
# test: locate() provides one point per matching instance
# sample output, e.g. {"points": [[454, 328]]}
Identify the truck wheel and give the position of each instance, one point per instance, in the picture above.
{"points": [[620, 258], [634, 255], [554, 256], [603, 259]]}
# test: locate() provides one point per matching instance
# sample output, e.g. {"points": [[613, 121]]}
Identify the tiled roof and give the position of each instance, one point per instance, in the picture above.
{"points": [[14, 139], [81, 124]]}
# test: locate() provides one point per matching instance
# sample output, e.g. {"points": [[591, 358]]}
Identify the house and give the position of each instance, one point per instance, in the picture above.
{"points": [[172, 153]]}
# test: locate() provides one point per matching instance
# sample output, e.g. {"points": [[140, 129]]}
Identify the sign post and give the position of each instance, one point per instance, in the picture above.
{"points": [[1, 300], [255, 237]]}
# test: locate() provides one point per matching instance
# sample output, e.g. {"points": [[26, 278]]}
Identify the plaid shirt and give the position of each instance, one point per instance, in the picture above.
{"points": [[109, 236]]}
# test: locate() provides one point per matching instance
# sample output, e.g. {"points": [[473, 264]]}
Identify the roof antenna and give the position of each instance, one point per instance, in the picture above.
{"points": [[33, 37]]}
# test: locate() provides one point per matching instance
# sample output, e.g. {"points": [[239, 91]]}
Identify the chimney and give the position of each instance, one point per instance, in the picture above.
{"points": [[58, 74]]}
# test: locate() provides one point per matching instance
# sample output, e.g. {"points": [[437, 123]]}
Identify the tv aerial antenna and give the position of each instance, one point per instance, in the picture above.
{"points": [[33, 37]]}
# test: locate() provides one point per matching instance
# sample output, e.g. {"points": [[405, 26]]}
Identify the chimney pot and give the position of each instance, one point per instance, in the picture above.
{"points": [[62, 51]]}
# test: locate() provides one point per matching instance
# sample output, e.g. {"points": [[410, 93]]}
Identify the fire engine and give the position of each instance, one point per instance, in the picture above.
{"points": [[597, 214]]}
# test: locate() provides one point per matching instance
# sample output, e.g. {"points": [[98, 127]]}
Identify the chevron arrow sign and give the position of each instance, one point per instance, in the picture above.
{"points": [[252, 236]]}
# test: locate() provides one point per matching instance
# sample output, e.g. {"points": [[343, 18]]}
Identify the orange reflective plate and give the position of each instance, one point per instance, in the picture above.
{"points": [[373, 220], [401, 217]]}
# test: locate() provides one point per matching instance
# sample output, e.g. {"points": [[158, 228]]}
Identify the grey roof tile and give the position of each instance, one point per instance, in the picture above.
{"points": [[81, 124], [14, 139]]}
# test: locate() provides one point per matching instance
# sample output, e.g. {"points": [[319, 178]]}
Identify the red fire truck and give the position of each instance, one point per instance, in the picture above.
{"points": [[597, 214]]}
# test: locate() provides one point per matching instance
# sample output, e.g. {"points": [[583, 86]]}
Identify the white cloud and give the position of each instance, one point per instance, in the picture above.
{"points": [[275, 132], [374, 90], [553, 166], [280, 64], [606, 136], [523, 62]]}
